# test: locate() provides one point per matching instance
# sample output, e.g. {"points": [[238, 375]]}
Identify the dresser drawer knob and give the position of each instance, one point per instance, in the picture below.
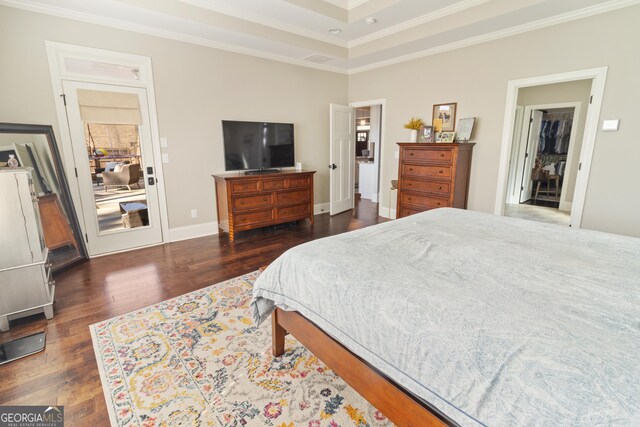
{"points": [[242, 202], [284, 212], [409, 184], [438, 204], [439, 187], [410, 169], [244, 187], [441, 154], [243, 219], [411, 154], [264, 199], [408, 198], [266, 215], [441, 171]]}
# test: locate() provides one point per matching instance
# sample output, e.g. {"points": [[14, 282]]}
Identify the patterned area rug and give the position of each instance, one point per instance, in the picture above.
{"points": [[198, 360]]}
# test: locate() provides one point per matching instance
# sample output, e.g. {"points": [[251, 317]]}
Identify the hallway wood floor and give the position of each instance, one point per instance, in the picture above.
{"points": [[65, 373]]}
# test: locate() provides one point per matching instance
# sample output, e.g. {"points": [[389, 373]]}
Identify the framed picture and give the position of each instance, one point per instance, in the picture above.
{"points": [[6, 153], [425, 134], [444, 117], [465, 129], [447, 136]]}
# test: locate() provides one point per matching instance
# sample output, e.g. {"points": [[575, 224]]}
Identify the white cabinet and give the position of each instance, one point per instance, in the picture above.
{"points": [[25, 273]]}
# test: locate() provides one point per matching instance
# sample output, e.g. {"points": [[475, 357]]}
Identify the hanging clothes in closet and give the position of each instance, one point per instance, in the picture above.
{"points": [[555, 133]]}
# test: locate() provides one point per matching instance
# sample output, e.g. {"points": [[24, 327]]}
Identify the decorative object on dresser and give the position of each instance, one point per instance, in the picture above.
{"points": [[35, 147], [444, 117], [433, 175], [26, 286], [447, 136], [426, 134], [245, 202], [415, 123], [465, 129]]}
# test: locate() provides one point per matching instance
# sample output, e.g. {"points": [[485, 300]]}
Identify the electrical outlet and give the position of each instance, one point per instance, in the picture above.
{"points": [[194, 213]]}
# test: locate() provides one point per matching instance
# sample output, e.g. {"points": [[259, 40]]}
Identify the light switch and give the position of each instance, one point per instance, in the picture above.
{"points": [[610, 125], [165, 157], [163, 142]]}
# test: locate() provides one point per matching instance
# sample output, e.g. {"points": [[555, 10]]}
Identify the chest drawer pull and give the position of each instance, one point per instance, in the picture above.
{"points": [[410, 169], [438, 204], [264, 199], [266, 215], [440, 171], [242, 202], [441, 154], [439, 187], [244, 187]]}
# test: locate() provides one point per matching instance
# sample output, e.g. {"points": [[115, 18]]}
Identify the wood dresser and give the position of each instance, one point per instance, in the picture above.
{"points": [[433, 175], [246, 202]]}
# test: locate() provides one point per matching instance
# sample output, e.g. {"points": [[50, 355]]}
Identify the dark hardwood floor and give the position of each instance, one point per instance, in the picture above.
{"points": [[65, 373]]}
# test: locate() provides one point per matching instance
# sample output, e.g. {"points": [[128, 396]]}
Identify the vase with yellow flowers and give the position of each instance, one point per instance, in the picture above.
{"points": [[414, 124]]}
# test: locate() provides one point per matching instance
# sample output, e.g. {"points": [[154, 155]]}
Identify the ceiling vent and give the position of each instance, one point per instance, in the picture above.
{"points": [[318, 59]]}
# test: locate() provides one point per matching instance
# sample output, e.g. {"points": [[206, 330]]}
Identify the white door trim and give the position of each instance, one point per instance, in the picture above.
{"points": [[599, 76], [382, 102], [56, 53]]}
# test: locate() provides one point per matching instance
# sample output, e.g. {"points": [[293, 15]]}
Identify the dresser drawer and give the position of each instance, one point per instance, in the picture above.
{"points": [[405, 211], [245, 187], [298, 182], [443, 155], [423, 201], [427, 186], [252, 218], [273, 184], [249, 202], [423, 170], [292, 196], [297, 211]]}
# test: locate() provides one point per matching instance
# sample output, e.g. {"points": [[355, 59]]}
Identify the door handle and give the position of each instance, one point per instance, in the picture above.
{"points": [[151, 180], [332, 166]]}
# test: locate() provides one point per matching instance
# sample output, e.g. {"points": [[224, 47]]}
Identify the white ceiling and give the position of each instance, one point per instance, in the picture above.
{"points": [[297, 31]]}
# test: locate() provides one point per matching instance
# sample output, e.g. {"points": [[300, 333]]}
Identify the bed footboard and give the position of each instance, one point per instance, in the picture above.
{"points": [[395, 403]]}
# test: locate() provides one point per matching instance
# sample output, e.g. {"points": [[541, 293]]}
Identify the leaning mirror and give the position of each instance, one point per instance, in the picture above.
{"points": [[34, 146]]}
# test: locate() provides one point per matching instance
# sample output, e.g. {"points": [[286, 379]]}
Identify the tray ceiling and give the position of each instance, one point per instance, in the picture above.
{"points": [[298, 31]]}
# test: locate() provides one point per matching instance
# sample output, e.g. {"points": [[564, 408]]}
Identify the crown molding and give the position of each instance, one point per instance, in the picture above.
{"points": [[166, 34], [420, 20], [172, 35], [347, 4], [267, 22], [508, 32]]}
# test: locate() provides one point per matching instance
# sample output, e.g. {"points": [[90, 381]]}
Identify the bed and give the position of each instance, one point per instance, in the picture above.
{"points": [[477, 319]]}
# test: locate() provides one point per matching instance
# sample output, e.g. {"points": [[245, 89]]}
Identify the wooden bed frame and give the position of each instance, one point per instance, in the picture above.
{"points": [[398, 405]]}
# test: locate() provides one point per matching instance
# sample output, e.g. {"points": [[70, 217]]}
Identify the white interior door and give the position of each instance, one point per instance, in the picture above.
{"points": [[531, 151], [341, 158], [115, 166]]}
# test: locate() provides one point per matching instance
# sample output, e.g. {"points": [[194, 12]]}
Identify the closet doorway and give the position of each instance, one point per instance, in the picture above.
{"points": [[368, 126], [545, 151]]}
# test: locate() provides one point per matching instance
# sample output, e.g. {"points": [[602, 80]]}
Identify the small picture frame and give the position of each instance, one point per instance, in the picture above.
{"points": [[444, 117], [426, 134], [465, 129], [447, 136]]}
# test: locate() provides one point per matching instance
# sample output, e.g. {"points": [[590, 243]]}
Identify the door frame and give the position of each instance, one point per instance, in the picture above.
{"points": [[56, 53], [528, 110], [598, 77], [382, 102]]}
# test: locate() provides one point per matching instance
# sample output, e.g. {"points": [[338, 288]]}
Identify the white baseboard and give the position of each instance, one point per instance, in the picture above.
{"points": [[321, 208], [192, 231]]}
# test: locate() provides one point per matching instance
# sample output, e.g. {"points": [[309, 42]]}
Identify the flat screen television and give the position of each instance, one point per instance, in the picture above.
{"points": [[257, 145]]}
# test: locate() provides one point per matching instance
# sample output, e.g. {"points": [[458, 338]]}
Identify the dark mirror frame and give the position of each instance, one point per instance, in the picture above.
{"points": [[65, 194]]}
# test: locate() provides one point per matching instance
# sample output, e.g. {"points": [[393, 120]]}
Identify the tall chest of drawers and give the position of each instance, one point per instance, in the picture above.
{"points": [[251, 201], [433, 175]]}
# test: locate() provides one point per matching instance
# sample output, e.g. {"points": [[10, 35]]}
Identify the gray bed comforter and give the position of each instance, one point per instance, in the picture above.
{"points": [[494, 320]]}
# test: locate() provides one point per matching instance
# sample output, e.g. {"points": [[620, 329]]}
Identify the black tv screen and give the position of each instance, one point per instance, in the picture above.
{"points": [[257, 145]]}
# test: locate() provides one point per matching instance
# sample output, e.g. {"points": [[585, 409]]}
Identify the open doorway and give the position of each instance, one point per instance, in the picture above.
{"points": [[552, 131], [368, 123]]}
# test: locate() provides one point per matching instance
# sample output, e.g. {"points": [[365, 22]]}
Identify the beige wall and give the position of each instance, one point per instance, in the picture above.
{"points": [[576, 91], [476, 78], [196, 87]]}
